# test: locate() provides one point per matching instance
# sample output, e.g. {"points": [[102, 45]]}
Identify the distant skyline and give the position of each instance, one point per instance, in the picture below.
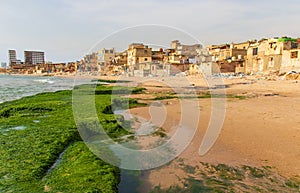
{"points": [[67, 29]]}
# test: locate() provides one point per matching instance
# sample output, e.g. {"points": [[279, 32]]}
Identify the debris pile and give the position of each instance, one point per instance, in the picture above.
{"points": [[292, 76]]}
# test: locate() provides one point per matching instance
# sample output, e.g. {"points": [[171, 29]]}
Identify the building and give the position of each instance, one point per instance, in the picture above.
{"points": [[273, 55], [146, 69], [230, 57], [120, 59], [137, 53], [34, 57], [203, 64], [175, 44], [290, 55], [158, 56], [12, 55], [173, 57], [90, 63], [105, 56], [188, 50]]}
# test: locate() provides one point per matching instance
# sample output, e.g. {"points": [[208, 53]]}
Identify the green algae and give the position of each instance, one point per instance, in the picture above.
{"points": [[27, 155]]}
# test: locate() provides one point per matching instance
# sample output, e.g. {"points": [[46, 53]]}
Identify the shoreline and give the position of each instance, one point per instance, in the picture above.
{"points": [[267, 129], [260, 130]]}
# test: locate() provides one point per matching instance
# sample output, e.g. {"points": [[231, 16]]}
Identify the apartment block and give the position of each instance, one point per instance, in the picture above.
{"points": [[12, 55], [34, 57]]}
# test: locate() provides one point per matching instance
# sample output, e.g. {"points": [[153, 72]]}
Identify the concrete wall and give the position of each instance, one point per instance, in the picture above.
{"points": [[268, 58], [288, 63]]}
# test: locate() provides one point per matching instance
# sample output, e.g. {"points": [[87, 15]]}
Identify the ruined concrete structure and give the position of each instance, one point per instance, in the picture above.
{"points": [[105, 56], [273, 55], [90, 63], [204, 63], [173, 57], [158, 56], [120, 59], [187, 50], [230, 57], [46, 68]]}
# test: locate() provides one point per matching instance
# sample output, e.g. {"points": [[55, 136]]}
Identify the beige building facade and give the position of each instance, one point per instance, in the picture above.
{"points": [[273, 55], [138, 53]]}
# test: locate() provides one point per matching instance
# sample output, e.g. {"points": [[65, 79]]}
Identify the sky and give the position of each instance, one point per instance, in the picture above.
{"points": [[66, 30]]}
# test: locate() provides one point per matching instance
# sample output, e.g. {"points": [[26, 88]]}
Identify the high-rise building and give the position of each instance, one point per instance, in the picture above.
{"points": [[34, 57], [12, 57]]}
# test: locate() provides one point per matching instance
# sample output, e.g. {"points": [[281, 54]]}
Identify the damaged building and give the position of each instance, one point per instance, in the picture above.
{"points": [[230, 57], [273, 55], [137, 53]]}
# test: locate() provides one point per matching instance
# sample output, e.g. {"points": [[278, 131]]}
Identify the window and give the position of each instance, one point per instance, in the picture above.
{"points": [[294, 54], [271, 62], [145, 59], [255, 51], [294, 45]]}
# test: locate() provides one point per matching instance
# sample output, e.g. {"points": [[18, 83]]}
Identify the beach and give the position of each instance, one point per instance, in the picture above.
{"points": [[260, 130], [258, 148]]}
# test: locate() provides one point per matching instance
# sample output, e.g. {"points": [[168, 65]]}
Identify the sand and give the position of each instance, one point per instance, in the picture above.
{"points": [[261, 130]]}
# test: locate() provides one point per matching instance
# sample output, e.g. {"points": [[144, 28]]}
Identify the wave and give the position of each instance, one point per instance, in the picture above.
{"points": [[44, 81]]}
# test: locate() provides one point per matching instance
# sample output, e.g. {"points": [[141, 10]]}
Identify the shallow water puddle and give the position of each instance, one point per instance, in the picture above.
{"points": [[17, 128]]}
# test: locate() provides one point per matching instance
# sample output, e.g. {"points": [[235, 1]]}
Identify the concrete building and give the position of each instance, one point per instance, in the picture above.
{"points": [[34, 57], [187, 50], [203, 64], [137, 53], [272, 55], [12, 55], [146, 69], [175, 44], [174, 63], [291, 56], [171, 56], [277, 55], [158, 56], [105, 56], [120, 59], [230, 57], [89, 63]]}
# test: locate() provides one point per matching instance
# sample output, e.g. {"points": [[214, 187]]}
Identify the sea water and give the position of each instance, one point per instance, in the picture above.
{"points": [[16, 86]]}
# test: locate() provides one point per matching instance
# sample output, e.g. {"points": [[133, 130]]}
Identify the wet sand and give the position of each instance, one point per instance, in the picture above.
{"points": [[261, 130]]}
